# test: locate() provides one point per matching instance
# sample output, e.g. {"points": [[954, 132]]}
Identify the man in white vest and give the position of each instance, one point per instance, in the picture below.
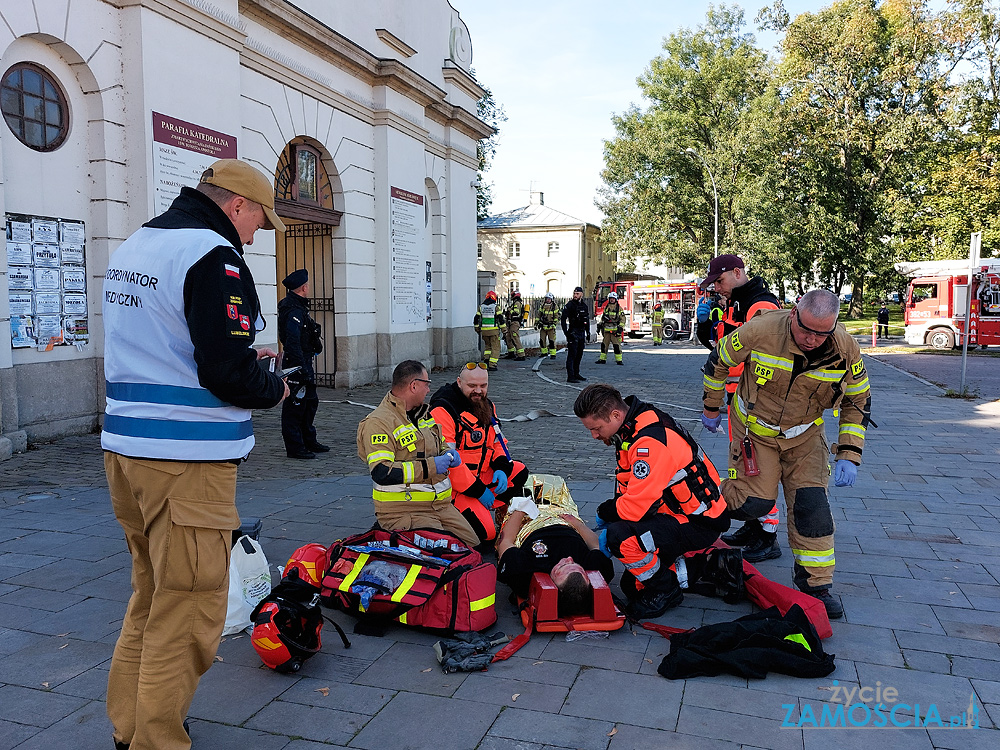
{"points": [[180, 315]]}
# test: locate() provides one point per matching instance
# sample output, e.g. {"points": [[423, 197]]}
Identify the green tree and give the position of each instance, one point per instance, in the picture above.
{"points": [[492, 113], [702, 92]]}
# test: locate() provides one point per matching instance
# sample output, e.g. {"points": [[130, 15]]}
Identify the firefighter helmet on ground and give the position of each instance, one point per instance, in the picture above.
{"points": [[287, 624], [311, 561]]}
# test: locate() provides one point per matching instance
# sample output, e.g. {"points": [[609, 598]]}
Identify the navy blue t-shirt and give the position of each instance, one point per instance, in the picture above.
{"points": [[542, 550]]}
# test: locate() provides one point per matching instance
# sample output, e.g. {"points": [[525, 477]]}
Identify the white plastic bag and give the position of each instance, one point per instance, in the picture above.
{"points": [[249, 582]]}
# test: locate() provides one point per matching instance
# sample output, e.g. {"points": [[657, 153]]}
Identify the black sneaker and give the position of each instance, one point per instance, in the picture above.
{"points": [[318, 448], [653, 603], [491, 368], [601, 362], [301, 454], [765, 547], [581, 379], [834, 609], [619, 362], [745, 535]]}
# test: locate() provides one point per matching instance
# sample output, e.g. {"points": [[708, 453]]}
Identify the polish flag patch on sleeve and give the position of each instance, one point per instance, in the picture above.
{"points": [[642, 451], [232, 271]]}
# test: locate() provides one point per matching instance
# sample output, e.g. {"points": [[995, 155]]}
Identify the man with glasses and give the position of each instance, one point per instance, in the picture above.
{"points": [[739, 297], [488, 477], [798, 363], [409, 460]]}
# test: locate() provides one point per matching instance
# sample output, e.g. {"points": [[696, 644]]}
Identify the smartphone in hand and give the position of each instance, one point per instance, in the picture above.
{"points": [[290, 371]]}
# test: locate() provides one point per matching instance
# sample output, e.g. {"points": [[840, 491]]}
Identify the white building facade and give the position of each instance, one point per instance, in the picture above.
{"points": [[364, 113], [536, 250]]}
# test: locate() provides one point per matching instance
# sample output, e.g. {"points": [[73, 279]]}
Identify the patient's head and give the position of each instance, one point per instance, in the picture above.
{"points": [[575, 594]]}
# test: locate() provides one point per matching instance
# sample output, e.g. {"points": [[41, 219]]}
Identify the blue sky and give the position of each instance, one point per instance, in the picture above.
{"points": [[561, 68]]}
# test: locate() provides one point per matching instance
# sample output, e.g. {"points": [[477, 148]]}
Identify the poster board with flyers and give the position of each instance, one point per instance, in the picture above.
{"points": [[47, 280]]}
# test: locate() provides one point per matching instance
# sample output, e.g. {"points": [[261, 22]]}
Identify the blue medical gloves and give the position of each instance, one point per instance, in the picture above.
{"points": [[499, 482], [487, 499], [704, 310], [447, 460], [845, 474], [602, 541], [711, 423]]}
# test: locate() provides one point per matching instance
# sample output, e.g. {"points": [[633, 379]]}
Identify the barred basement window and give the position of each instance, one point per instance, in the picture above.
{"points": [[34, 107]]}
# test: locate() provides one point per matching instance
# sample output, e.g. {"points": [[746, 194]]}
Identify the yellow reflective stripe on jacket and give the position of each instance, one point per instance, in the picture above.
{"points": [[810, 558], [724, 356], [764, 429], [486, 601], [376, 456], [407, 583], [853, 429], [854, 390], [402, 430], [714, 385], [345, 585], [408, 472], [799, 639], [411, 496], [426, 422], [830, 376], [771, 361]]}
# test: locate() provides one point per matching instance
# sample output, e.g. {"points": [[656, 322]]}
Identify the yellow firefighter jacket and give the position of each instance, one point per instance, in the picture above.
{"points": [[782, 394], [400, 450]]}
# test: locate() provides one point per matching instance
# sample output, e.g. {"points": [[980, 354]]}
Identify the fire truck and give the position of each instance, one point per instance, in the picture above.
{"points": [[637, 298], [936, 302]]}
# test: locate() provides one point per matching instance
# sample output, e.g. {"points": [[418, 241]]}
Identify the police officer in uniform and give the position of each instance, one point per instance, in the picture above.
{"points": [[575, 322], [301, 339]]}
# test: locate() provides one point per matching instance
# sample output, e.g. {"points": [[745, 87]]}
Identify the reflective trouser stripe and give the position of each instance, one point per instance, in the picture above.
{"points": [[345, 585], [420, 497], [486, 601], [770, 521], [407, 584], [809, 558]]}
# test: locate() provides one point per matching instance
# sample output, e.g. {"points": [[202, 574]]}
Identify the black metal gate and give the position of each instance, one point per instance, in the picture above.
{"points": [[309, 245]]}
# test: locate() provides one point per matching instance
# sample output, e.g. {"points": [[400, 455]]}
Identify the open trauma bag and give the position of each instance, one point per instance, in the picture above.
{"points": [[422, 578]]}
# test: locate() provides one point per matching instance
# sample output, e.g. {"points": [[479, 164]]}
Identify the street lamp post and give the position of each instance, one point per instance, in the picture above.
{"points": [[691, 152]]}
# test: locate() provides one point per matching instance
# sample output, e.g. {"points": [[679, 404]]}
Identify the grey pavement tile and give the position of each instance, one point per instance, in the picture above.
{"points": [[871, 564], [528, 669], [501, 691], [605, 694], [502, 743], [863, 643], [224, 737], [91, 620], [975, 649], [589, 654], [41, 599], [863, 737], [53, 661], [12, 640], [357, 699], [12, 734], [877, 516], [642, 738], [898, 547], [39, 708], [307, 745], [309, 722], [988, 691], [925, 661], [949, 693], [899, 615], [408, 667], [116, 586], [950, 520], [57, 521], [231, 694], [432, 724], [92, 684], [26, 561], [741, 701], [943, 570], [61, 576], [920, 591], [964, 739], [714, 724], [87, 727], [551, 729], [982, 668], [975, 631], [855, 584]]}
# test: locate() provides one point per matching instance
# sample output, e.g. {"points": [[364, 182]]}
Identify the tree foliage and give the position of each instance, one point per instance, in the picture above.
{"points": [[492, 113]]}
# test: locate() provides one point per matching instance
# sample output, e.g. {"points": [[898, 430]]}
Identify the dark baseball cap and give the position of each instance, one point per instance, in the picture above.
{"points": [[719, 266]]}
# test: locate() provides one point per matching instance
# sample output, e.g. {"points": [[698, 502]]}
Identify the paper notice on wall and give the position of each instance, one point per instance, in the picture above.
{"points": [[44, 231], [74, 279], [71, 254], [45, 255], [48, 303], [47, 279], [75, 304], [19, 278], [18, 254], [76, 330], [19, 231], [22, 331], [181, 152], [72, 233], [408, 248], [48, 329], [20, 303]]}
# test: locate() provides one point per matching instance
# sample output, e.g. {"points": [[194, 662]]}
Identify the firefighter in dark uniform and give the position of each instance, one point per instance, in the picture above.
{"points": [[613, 325], [667, 499], [744, 297], [301, 339]]}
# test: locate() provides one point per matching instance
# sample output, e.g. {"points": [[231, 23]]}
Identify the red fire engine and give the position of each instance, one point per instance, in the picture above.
{"points": [[936, 302], [637, 298]]}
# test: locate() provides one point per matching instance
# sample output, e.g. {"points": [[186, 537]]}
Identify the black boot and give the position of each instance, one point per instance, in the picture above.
{"points": [[747, 534], [652, 603], [834, 609], [765, 547]]}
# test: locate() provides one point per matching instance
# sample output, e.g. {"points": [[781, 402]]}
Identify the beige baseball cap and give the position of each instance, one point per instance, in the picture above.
{"points": [[244, 179]]}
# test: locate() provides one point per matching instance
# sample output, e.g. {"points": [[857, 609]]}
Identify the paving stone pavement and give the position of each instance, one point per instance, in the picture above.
{"points": [[918, 564]]}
